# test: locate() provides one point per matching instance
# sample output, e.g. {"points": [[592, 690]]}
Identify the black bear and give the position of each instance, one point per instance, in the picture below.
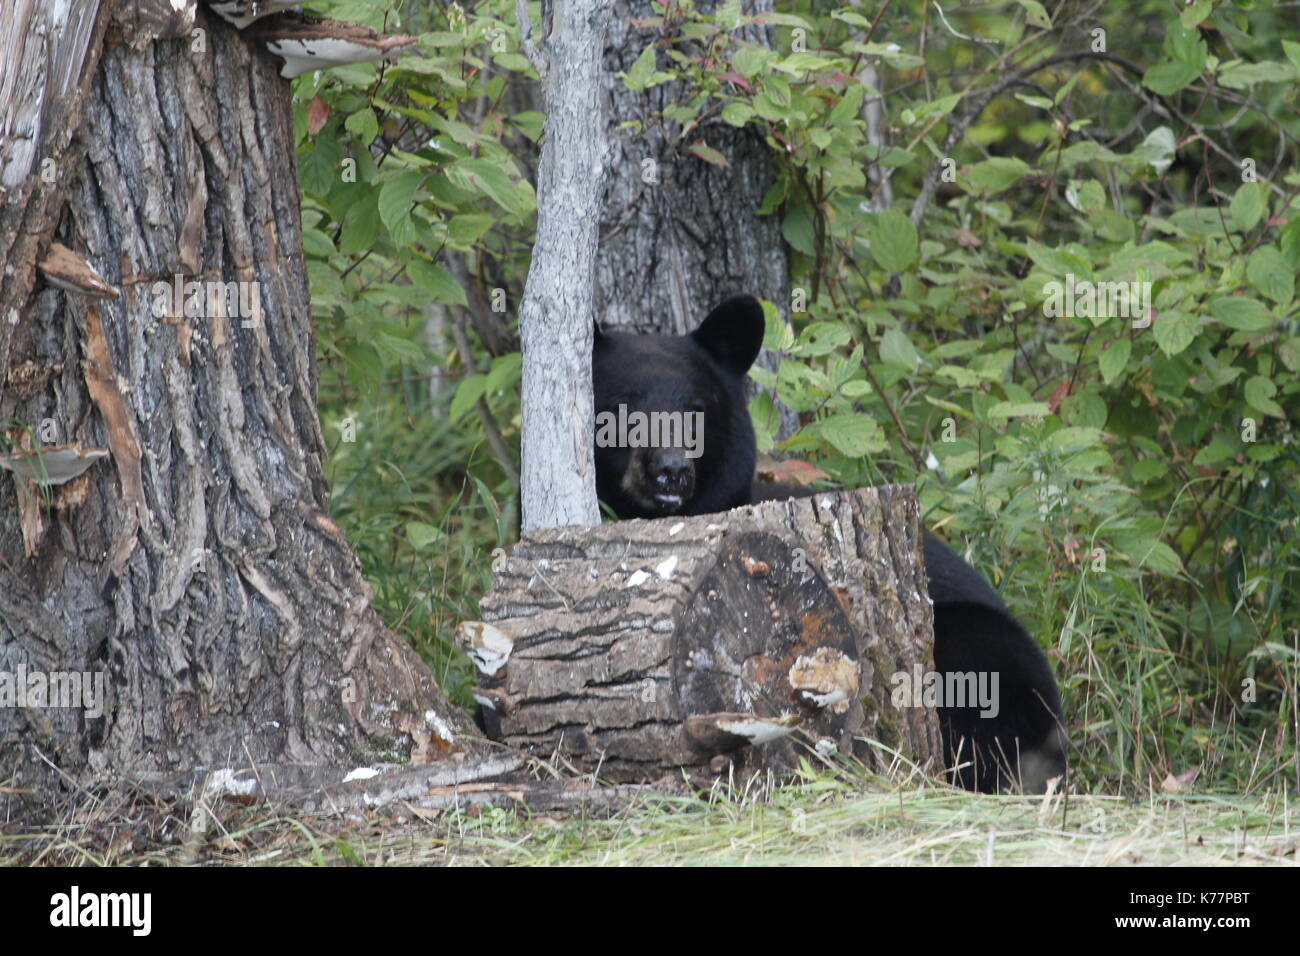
{"points": [[701, 376]]}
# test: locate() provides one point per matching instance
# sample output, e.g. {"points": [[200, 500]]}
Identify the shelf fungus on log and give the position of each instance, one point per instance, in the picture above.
{"points": [[742, 639], [308, 43]]}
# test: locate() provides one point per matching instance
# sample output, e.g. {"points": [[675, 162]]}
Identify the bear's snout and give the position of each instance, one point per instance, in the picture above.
{"points": [[672, 476], [660, 480]]}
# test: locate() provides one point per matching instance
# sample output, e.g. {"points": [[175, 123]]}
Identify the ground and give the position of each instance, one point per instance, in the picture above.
{"points": [[823, 820]]}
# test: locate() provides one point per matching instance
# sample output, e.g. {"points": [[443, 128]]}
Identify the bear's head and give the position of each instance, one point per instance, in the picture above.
{"points": [[673, 434]]}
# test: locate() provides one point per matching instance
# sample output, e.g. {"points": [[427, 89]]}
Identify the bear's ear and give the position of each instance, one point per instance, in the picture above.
{"points": [[733, 333]]}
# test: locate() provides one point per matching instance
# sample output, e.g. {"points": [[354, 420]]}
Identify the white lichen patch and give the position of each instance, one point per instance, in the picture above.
{"points": [[225, 781], [439, 726]]}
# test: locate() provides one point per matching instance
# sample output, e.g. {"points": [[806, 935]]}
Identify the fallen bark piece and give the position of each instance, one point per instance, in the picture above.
{"points": [[640, 648]]}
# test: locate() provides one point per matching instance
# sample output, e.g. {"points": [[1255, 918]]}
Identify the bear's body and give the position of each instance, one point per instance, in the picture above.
{"points": [[974, 632]]}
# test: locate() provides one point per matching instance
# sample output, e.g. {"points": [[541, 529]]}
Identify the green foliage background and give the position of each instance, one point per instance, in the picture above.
{"points": [[1130, 487]]}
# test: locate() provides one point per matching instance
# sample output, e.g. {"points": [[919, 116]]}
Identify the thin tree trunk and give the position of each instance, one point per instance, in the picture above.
{"points": [[556, 317], [195, 568]]}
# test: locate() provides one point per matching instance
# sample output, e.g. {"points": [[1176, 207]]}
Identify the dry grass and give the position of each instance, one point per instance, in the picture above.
{"points": [[823, 820]]}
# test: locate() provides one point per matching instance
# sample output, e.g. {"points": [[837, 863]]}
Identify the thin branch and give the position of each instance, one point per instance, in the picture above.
{"points": [[981, 100], [500, 451], [535, 56]]}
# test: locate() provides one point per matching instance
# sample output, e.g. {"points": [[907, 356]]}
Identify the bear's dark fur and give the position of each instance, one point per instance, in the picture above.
{"points": [[1022, 746]]}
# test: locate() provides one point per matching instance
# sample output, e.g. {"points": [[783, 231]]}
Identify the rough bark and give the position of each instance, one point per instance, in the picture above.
{"points": [[48, 54], [640, 648], [196, 566], [672, 249], [558, 473]]}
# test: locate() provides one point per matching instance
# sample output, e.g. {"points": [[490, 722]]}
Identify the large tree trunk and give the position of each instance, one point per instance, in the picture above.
{"points": [[195, 567], [677, 234]]}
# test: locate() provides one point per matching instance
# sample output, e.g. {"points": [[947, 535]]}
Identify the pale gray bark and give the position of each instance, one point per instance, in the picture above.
{"points": [[873, 114], [556, 316]]}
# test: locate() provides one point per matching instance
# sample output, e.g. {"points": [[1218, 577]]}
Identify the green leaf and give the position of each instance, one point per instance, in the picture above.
{"points": [[1148, 469], [1173, 331], [316, 243], [846, 110], [894, 242], [1269, 273], [643, 75], [396, 197], [363, 125], [1142, 546], [777, 336], [1241, 76], [437, 281], [505, 372], [997, 174], [1161, 558], [1157, 150], [1019, 410], [749, 60], [961, 376], [1241, 313], [708, 153], [737, 114], [895, 349], [361, 225], [1186, 46], [467, 228], [421, 535], [937, 109], [821, 338], [1035, 15], [490, 179], [1292, 50], [798, 230], [1288, 241], [1195, 14], [1114, 360], [469, 391], [1288, 353], [1216, 452], [1247, 205], [852, 434], [888, 156], [797, 63], [319, 166], [1169, 77], [1086, 196], [530, 123], [1259, 393]]}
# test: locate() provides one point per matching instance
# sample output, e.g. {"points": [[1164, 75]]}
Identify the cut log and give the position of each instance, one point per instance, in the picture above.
{"points": [[713, 643]]}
